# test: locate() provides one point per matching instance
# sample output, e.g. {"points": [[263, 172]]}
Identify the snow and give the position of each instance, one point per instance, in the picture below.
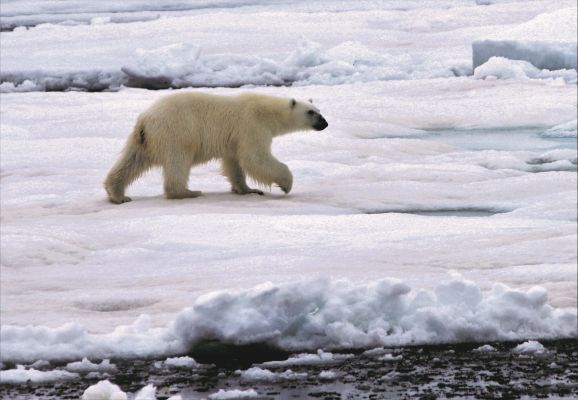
{"points": [[502, 68], [297, 43], [327, 375], [567, 129], [434, 195], [390, 357], [531, 347], [548, 42], [485, 349], [104, 390], [149, 392], [326, 314], [20, 375], [181, 362], [260, 374], [234, 394], [86, 366], [320, 358]]}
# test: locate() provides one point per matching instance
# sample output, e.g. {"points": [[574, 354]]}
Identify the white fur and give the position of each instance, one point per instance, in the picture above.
{"points": [[185, 129]]}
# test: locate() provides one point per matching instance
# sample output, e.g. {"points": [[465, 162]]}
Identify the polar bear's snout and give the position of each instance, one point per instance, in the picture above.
{"points": [[320, 123]]}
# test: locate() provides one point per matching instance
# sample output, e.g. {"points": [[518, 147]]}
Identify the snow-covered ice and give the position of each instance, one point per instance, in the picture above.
{"points": [[531, 347], [437, 207], [548, 42], [181, 362], [485, 349], [320, 358], [104, 390], [261, 374], [234, 394], [21, 375], [86, 366]]}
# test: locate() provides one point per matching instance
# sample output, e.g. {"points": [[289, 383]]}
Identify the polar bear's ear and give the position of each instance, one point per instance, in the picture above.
{"points": [[311, 101], [293, 103]]}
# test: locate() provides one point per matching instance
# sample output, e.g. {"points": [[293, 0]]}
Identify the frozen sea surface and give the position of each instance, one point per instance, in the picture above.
{"points": [[438, 207]]}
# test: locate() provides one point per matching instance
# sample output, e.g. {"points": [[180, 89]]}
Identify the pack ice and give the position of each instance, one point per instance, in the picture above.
{"points": [[439, 207]]}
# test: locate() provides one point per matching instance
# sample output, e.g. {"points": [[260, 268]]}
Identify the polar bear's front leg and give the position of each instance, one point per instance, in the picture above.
{"points": [[232, 170], [266, 169]]}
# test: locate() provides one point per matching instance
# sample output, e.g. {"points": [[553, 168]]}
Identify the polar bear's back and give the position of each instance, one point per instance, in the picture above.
{"points": [[196, 123]]}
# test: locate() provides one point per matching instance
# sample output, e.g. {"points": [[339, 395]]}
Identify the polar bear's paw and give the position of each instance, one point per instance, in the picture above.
{"points": [[248, 191], [187, 194]]}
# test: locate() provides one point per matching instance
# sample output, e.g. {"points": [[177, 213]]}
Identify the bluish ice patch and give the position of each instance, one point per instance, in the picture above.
{"points": [[529, 139]]}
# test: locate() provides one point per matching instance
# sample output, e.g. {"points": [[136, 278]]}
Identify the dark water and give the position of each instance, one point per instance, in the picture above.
{"points": [[422, 372]]}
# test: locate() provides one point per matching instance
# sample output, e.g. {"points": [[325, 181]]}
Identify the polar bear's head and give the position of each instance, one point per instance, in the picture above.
{"points": [[307, 116]]}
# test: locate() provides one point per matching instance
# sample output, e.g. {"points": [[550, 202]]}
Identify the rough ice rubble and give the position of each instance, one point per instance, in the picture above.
{"points": [[547, 41], [485, 349], [104, 390], [260, 374], [21, 375], [181, 362], [314, 314], [181, 65], [86, 366], [530, 347]]}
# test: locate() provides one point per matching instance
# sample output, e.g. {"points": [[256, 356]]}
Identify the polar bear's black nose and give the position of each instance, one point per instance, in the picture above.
{"points": [[320, 123]]}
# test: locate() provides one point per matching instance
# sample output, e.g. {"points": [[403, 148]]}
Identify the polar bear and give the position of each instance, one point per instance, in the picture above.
{"points": [[185, 129]]}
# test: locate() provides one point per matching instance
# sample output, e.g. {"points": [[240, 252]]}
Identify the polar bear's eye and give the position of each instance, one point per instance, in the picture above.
{"points": [[310, 112]]}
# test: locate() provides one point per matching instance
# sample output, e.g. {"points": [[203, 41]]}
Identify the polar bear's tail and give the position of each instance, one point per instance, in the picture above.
{"points": [[132, 163]]}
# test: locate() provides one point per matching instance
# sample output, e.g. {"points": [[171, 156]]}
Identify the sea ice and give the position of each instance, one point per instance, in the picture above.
{"points": [[327, 375], [503, 68], [564, 130], [484, 349], [149, 392], [104, 390], [260, 374], [21, 375], [234, 394], [86, 366], [531, 347], [181, 362], [547, 41]]}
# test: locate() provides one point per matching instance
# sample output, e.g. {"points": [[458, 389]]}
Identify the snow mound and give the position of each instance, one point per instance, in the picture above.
{"points": [[22, 375], [317, 314], [547, 41], [503, 68], [86, 366], [260, 374], [327, 375], [149, 392], [531, 348], [485, 349], [181, 362], [234, 394], [565, 130], [104, 390]]}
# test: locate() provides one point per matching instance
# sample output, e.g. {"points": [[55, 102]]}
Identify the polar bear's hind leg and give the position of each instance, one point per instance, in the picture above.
{"points": [[176, 176]]}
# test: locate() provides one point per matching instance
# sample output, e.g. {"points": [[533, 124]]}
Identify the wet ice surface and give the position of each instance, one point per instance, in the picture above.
{"points": [[425, 372]]}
